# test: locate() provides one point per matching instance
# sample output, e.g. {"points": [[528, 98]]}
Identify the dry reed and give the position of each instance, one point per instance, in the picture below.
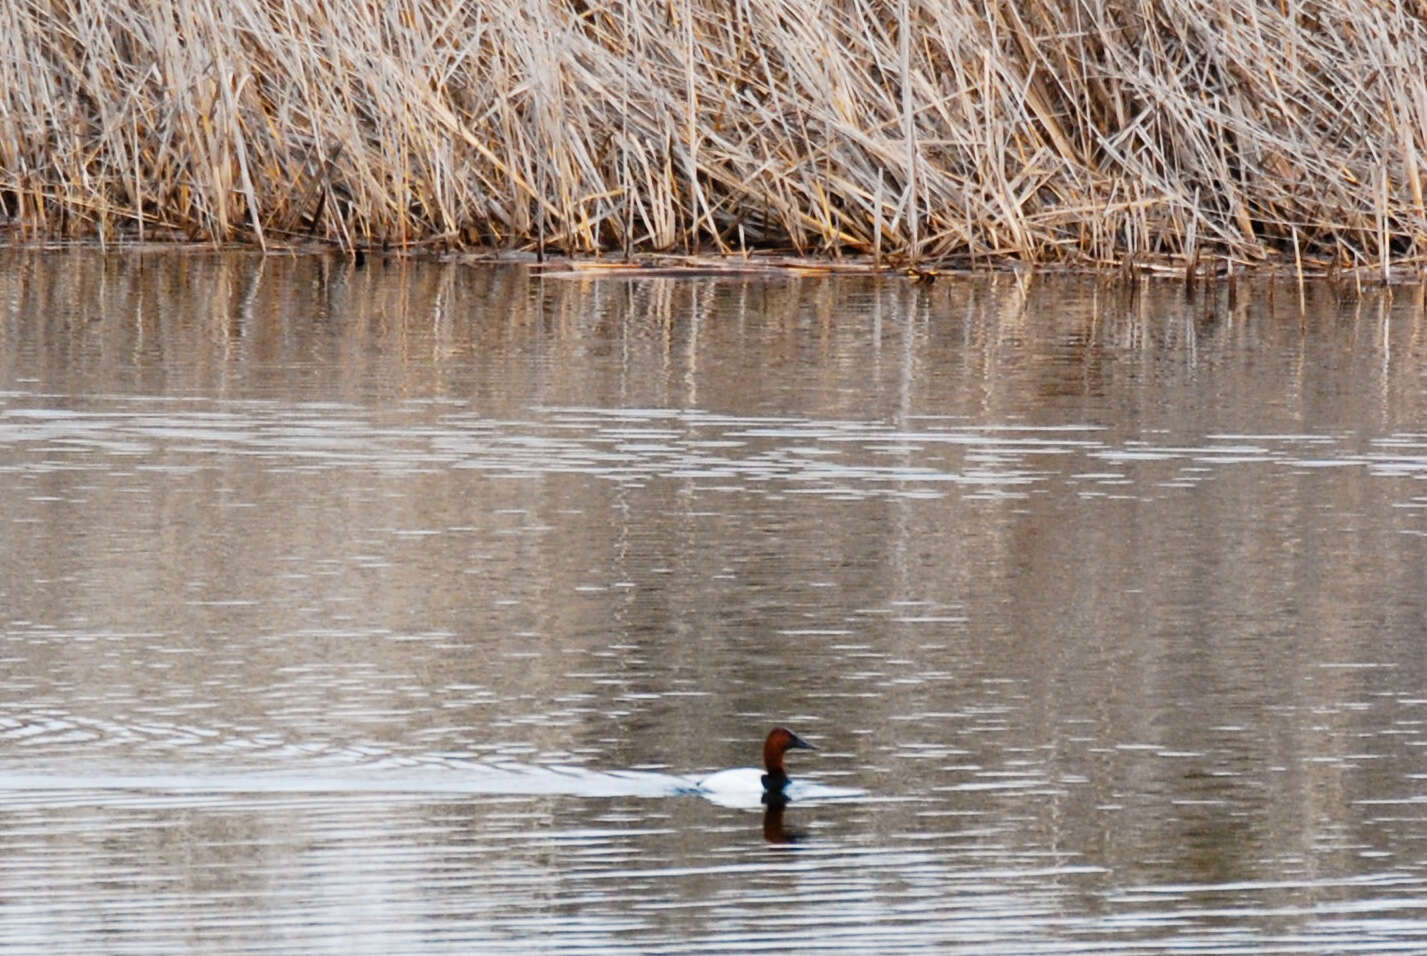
{"points": [[1080, 131]]}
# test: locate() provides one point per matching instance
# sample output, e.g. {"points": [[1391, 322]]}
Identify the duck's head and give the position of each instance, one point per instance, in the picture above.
{"points": [[779, 741]]}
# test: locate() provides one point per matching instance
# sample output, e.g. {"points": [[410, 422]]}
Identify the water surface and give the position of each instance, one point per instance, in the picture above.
{"points": [[391, 609]]}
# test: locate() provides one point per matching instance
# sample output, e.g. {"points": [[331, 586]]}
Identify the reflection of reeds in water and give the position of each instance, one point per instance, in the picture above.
{"points": [[1067, 130]]}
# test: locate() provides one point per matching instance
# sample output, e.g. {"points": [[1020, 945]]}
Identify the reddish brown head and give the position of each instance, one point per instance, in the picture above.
{"points": [[781, 739]]}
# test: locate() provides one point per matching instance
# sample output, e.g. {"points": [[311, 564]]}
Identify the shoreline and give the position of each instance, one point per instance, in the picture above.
{"points": [[764, 263]]}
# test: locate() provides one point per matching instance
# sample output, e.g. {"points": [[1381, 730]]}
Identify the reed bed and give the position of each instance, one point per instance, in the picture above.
{"points": [[907, 131]]}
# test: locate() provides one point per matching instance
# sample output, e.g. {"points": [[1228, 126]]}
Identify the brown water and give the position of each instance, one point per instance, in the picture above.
{"points": [[396, 609]]}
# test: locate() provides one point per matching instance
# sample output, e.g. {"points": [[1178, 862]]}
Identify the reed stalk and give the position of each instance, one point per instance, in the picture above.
{"points": [[1074, 131]]}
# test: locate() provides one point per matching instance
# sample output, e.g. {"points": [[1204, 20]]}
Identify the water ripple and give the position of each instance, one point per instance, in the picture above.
{"points": [[830, 458]]}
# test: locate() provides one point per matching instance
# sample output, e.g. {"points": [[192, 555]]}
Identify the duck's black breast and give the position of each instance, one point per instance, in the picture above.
{"points": [[774, 782]]}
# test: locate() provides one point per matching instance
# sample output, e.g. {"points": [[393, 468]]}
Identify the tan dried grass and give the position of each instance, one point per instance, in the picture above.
{"points": [[1051, 130]]}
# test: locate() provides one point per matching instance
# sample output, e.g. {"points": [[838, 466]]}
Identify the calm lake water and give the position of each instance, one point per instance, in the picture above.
{"points": [[396, 609]]}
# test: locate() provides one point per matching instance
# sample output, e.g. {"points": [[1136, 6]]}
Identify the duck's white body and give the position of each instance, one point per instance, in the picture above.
{"points": [[742, 788], [735, 778], [736, 787]]}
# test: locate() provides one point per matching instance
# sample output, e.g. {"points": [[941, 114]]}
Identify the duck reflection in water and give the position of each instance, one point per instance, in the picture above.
{"points": [[774, 830]]}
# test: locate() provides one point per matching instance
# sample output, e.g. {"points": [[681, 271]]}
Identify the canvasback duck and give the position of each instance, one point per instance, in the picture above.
{"points": [[749, 786]]}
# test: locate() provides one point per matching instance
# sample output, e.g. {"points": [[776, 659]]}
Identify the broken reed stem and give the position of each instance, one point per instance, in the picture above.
{"points": [[909, 130], [1298, 271], [1078, 131]]}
